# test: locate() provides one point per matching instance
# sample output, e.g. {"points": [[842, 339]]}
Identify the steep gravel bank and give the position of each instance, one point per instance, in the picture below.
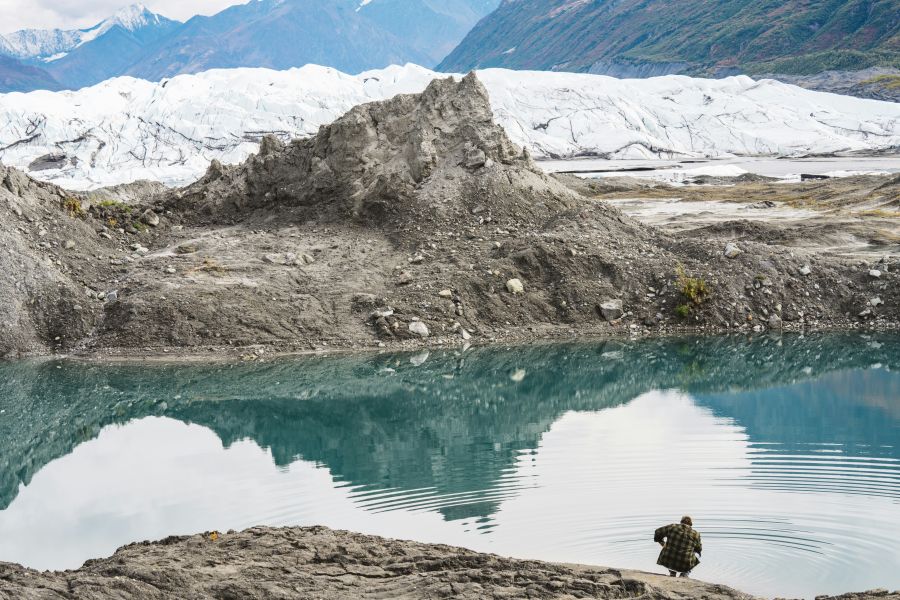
{"points": [[408, 221]]}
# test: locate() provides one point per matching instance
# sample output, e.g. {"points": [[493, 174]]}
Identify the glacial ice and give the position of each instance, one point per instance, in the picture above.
{"points": [[126, 129]]}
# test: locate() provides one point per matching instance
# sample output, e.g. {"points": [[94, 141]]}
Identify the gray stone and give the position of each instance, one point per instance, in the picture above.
{"points": [[515, 286], [775, 322], [612, 310], [150, 218], [732, 251], [805, 270], [419, 328], [382, 313]]}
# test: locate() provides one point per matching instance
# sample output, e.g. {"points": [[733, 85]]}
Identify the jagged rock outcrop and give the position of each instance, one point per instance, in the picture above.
{"points": [[411, 160]]}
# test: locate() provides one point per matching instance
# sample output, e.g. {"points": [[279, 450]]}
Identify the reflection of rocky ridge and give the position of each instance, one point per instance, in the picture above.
{"points": [[382, 421]]}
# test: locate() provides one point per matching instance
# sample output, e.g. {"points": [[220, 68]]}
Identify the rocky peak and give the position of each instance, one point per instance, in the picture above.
{"points": [[438, 152]]}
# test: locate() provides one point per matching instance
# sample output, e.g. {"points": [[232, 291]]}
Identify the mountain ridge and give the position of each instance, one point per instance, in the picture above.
{"points": [[349, 35], [695, 37]]}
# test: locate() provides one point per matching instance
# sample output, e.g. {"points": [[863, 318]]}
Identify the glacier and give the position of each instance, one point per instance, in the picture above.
{"points": [[126, 129]]}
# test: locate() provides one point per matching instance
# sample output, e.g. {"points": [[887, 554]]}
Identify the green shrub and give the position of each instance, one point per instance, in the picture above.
{"points": [[73, 207], [693, 289]]}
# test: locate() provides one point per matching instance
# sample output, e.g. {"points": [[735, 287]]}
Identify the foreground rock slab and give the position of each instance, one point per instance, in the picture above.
{"points": [[321, 563], [318, 562]]}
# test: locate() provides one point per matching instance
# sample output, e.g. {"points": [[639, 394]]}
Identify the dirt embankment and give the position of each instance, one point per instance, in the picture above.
{"points": [[407, 221], [324, 564]]}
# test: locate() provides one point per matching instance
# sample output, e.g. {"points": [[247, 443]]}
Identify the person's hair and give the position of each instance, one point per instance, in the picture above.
{"points": [[687, 521]]}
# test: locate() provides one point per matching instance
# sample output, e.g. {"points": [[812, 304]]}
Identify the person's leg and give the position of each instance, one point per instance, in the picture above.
{"points": [[672, 573], [686, 574]]}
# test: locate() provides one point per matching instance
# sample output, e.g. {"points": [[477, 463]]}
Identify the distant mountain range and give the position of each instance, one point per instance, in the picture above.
{"points": [[638, 38], [846, 46], [350, 35]]}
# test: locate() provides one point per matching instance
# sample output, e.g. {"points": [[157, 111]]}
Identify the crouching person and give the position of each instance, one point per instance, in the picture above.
{"points": [[681, 547]]}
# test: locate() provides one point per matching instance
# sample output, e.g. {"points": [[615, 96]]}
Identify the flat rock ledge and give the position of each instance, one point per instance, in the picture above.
{"points": [[321, 563]]}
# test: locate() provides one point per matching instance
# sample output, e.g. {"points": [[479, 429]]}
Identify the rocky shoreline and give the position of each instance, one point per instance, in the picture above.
{"points": [[317, 562], [408, 222]]}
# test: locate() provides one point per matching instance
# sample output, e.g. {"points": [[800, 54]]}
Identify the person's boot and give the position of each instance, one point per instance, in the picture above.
{"points": [[686, 574], [673, 574]]}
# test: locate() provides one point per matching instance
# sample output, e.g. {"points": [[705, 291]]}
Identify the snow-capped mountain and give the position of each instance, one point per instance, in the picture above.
{"points": [[127, 129], [74, 58], [49, 45], [351, 35]]}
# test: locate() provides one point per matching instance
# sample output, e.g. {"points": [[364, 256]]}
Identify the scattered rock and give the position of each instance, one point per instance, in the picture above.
{"points": [[150, 218], [445, 293], [732, 251], [69, 244], [419, 328], [383, 313], [475, 157], [876, 301], [515, 286], [307, 259], [612, 310], [875, 273], [775, 322], [805, 270]]}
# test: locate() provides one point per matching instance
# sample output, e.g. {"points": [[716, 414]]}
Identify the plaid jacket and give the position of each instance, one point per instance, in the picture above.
{"points": [[682, 542]]}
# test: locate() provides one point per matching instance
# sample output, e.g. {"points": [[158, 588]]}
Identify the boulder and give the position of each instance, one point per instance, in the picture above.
{"points": [[515, 286], [612, 310], [732, 251], [419, 328]]}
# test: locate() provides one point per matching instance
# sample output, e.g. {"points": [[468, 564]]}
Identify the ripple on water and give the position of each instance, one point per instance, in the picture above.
{"points": [[791, 475]]}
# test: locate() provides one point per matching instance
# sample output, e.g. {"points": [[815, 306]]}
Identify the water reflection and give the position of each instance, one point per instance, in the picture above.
{"points": [[786, 450]]}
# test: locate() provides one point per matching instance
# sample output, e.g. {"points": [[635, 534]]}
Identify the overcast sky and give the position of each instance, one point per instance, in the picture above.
{"points": [[74, 14]]}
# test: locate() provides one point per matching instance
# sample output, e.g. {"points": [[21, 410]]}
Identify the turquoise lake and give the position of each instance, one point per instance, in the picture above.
{"points": [[785, 451]]}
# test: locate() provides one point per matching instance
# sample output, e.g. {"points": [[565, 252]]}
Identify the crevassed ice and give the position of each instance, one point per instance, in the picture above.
{"points": [[126, 129]]}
